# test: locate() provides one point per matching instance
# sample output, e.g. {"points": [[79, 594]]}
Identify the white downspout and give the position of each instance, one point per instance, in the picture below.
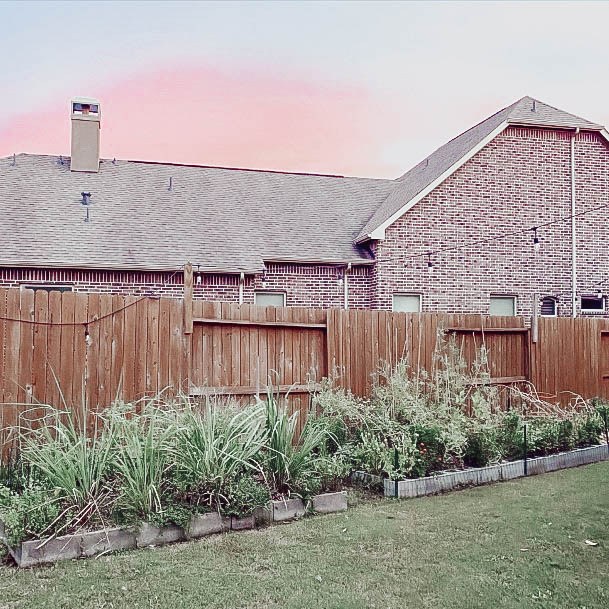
{"points": [[241, 282], [346, 286], [573, 234]]}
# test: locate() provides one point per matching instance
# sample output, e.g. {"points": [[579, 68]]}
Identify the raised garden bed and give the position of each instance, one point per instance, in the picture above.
{"points": [[81, 545], [442, 482]]}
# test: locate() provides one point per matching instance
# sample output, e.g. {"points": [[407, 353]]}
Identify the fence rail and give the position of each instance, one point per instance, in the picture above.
{"points": [[64, 348]]}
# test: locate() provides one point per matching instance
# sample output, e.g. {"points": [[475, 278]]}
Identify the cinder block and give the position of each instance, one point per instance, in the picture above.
{"points": [[151, 535], [206, 524], [108, 540], [288, 509], [38, 551], [242, 524], [327, 503]]}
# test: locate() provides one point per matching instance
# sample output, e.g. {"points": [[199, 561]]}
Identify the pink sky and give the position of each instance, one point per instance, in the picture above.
{"points": [[219, 117]]}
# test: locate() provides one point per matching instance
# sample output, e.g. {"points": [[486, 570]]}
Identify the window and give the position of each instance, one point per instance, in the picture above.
{"points": [[548, 306], [503, 305], [592, 304], [269, 299], [47, 287], [407, 303]]}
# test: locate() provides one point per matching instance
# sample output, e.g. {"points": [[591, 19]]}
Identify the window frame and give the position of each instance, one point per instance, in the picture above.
{"points": [[550, 298], [410, 294], [592, 311], [48, 287], [512, 297], [271, 293]]}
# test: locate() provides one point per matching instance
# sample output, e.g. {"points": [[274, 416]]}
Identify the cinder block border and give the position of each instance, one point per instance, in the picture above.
{"points": [[431, 485], [91, 543]]}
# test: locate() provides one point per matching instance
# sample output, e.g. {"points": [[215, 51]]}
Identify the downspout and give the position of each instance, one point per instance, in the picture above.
{"points": [[346, 285], [573, 235], [241, 282]]}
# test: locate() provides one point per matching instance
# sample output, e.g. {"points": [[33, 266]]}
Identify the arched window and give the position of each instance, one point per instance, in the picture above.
{"points": [[549, 306]]}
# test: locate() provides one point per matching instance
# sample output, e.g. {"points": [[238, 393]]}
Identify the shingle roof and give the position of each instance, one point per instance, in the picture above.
{"points": [[221, 219], [526, 111]]}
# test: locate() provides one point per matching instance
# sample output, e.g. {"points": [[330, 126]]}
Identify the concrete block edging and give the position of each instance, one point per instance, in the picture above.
{"points": [[446, 481], [91, 543]]}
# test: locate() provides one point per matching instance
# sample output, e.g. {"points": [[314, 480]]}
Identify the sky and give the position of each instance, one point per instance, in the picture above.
{"points": [[351, 88]]}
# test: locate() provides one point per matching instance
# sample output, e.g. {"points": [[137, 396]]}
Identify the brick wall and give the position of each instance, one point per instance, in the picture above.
{"points": [[303, 285], [522, 178]]}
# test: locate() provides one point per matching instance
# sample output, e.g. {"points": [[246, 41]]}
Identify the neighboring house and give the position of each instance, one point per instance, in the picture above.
{"points": [[431, 240]]}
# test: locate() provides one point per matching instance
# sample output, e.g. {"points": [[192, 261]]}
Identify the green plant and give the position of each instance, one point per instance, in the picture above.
{"points": [[141, 460], [73, 460], [291, 461], [243, 495], [214, 445], [30, 514]]}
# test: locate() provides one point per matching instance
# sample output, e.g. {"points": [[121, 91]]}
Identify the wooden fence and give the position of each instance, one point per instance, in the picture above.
{"points": [[63, 347]]}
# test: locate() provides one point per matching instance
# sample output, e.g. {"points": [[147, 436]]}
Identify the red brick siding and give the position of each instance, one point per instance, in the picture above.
{"points": [[522, 178], [304, 285]]}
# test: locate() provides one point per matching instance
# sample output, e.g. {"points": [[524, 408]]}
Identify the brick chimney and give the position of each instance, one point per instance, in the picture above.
{"points": [[86, 123]]}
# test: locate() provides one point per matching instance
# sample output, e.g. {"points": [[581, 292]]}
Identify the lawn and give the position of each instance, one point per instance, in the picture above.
{"points": [[515, 544]]}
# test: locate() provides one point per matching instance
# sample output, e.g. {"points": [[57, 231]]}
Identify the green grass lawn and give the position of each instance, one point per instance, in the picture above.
{"points": [[461, 550]]}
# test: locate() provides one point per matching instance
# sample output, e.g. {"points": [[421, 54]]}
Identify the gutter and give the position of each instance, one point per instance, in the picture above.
{"points": [[573, 233], [346, 286]]}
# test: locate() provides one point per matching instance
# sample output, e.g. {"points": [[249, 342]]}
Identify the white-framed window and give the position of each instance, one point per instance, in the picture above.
{"points": [[269, 299], [47, 287], [549, 307], [502, 305], [407, 303], [592, 304]]}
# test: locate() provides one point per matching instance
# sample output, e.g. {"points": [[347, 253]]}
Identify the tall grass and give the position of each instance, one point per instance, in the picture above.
{"points": [[291, 462], [75, 462], [214, 444]]}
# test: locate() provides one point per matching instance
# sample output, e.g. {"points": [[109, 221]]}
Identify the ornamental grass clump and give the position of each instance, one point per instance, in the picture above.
{"points": [[212, 446], [72, 461], [291, 462]]}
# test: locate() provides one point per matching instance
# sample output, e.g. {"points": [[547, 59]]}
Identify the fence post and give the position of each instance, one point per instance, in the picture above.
{"points": [[188, 298], [396, 464], [606, 429], [526, 469]]}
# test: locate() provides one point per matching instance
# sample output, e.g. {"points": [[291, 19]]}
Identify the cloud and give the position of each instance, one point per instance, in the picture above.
{"points": [[239, 118]]}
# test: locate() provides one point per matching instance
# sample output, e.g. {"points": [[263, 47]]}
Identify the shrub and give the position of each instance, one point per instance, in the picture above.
{"points": [[30, 514], [243, 495], [588, 429]]}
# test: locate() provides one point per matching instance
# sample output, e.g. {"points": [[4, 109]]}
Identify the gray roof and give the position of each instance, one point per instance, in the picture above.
{"points": [[526, 111], [224, 220], [221, 219]]}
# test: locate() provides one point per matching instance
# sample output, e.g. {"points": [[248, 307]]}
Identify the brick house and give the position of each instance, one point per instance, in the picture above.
{"points": [[501, 216]]}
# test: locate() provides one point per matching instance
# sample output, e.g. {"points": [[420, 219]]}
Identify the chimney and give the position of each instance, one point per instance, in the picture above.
{"points": [[86, 123]]}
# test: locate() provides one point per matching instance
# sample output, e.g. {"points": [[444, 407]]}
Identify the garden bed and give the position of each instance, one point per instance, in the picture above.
{"points": [[446, 481], [92, 543]]}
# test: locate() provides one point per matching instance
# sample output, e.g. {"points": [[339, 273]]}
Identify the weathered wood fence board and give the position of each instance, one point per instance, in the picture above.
{"points": [[94, 348]]}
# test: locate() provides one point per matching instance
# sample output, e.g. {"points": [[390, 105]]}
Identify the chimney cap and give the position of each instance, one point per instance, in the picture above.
{"points": [[85, 107]]}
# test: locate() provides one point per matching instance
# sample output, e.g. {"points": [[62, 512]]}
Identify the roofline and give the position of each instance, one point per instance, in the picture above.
{"points": [[129, 269], [296, 173], [519, 123], [379, 232], [327, 262]]}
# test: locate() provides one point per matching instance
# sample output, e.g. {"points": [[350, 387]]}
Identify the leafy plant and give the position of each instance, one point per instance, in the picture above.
{"points": [[243, 495], [215, 445], [29, 514], [291, 462], [73, 460]]}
